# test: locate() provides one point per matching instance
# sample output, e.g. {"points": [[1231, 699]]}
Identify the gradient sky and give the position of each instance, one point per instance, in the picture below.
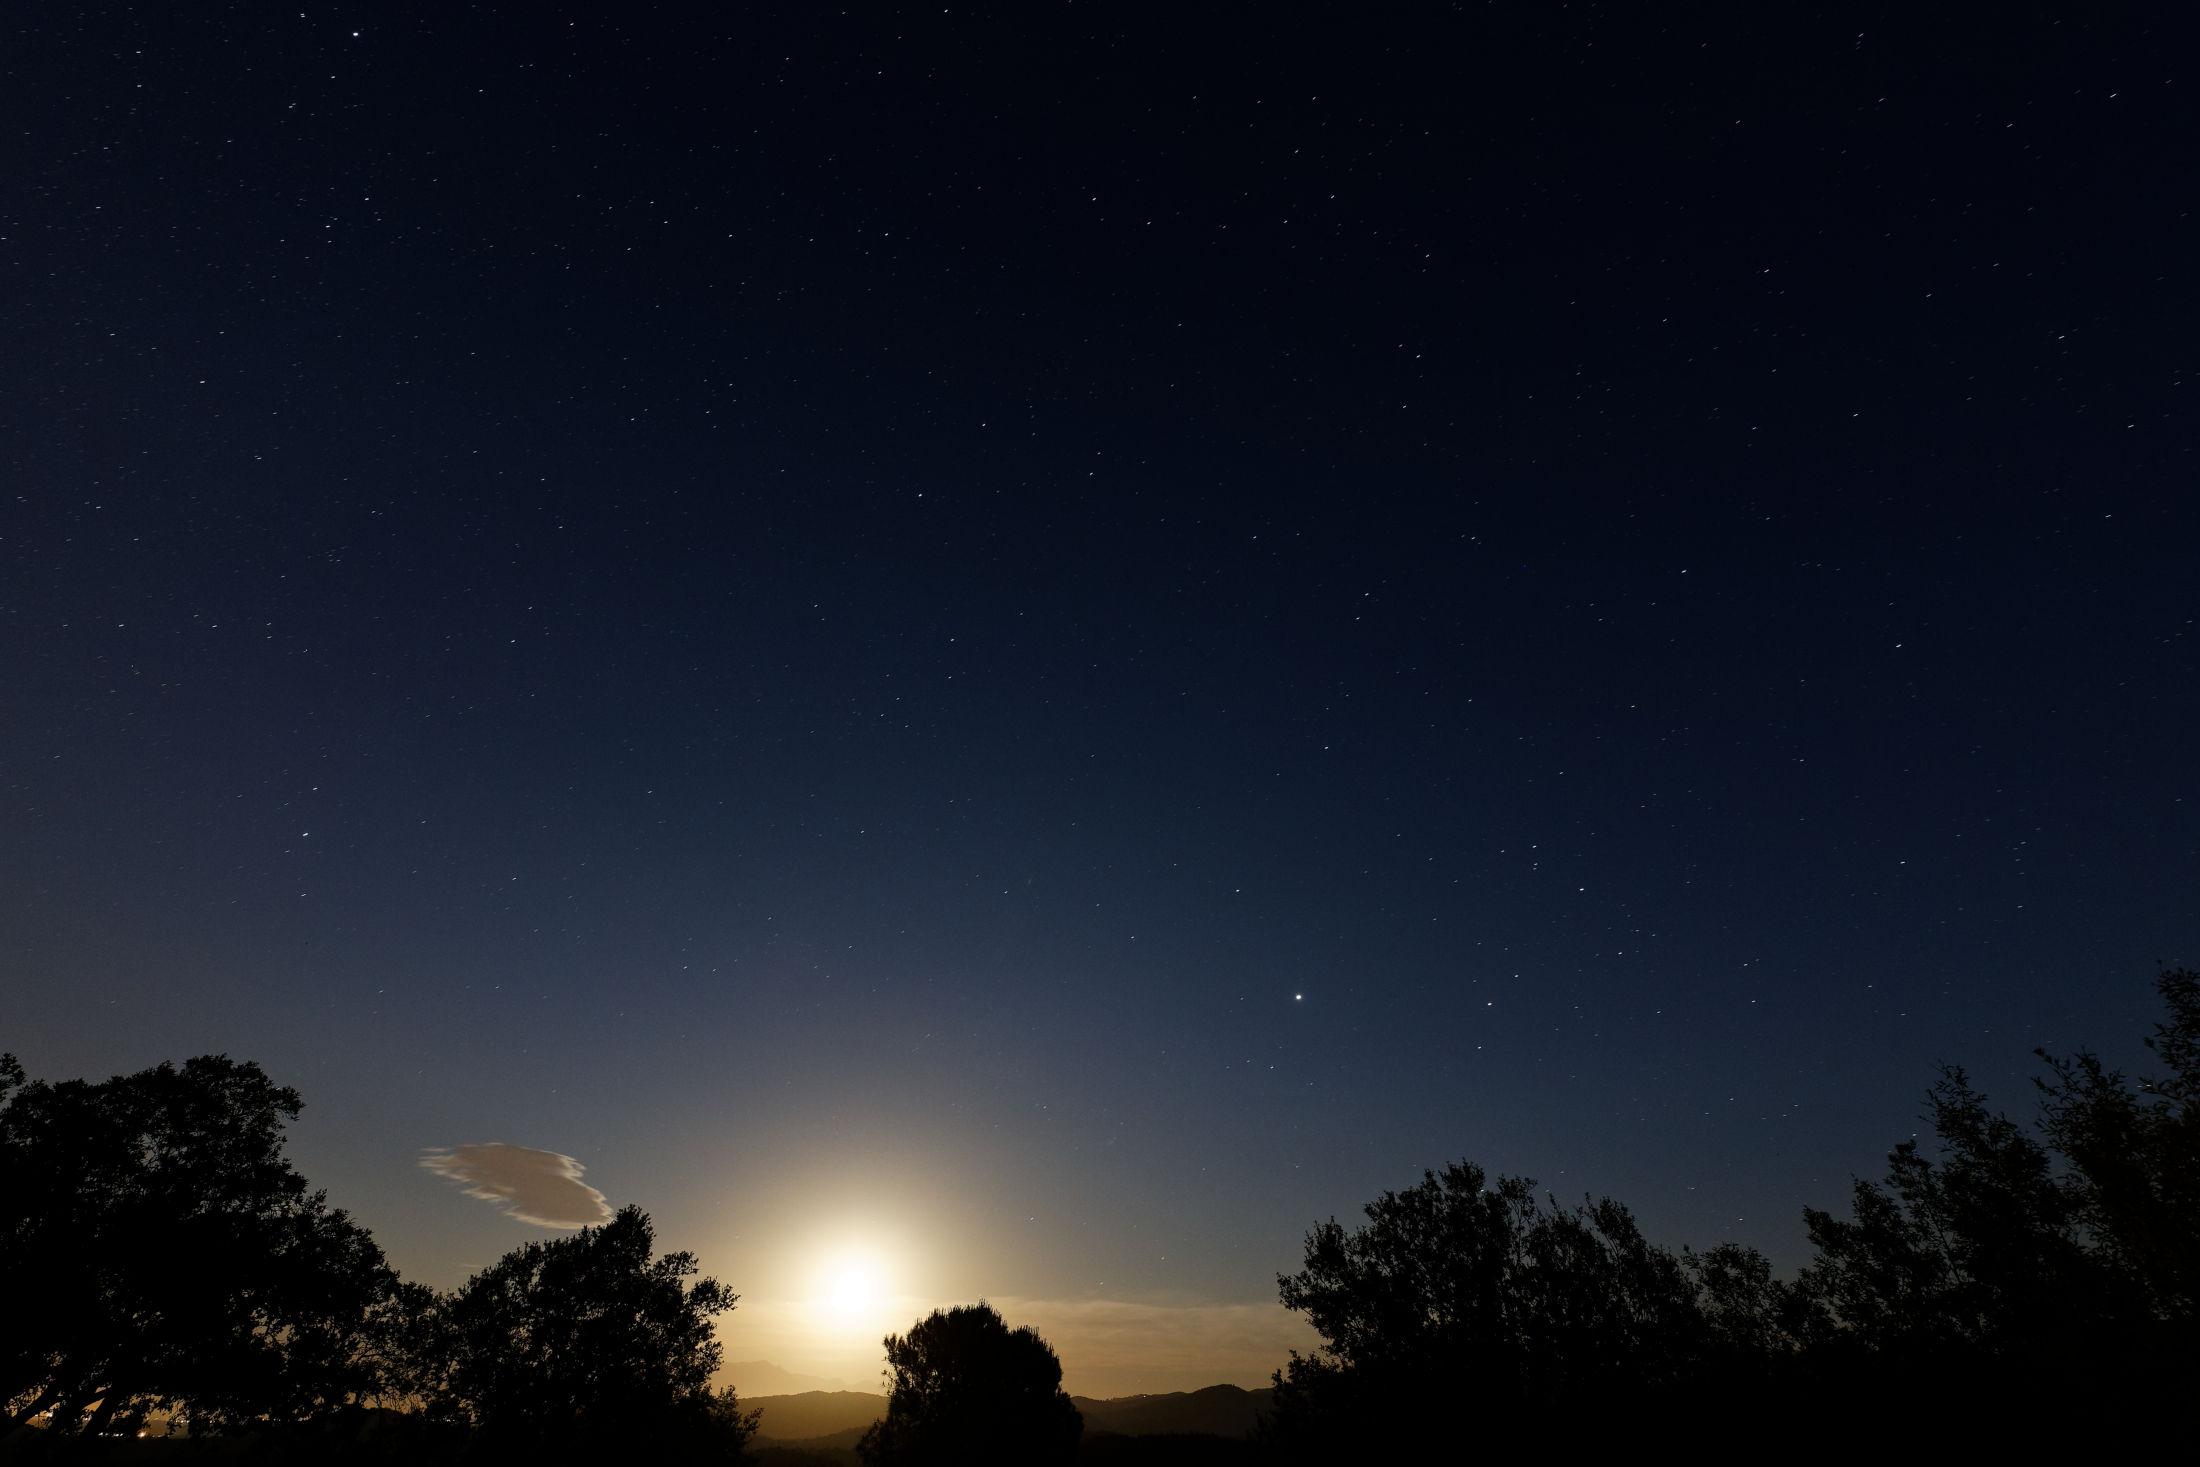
{"points": [[1038, 646]]}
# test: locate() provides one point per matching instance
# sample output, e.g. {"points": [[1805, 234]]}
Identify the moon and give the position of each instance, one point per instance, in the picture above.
{"points": [[852, 1293]]}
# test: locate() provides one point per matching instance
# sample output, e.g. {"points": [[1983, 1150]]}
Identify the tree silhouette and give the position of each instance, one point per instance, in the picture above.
{"points": [[1752, 1322], [2066, 1261], [965, 1388], [160, 1250], [2134, 1153], [1461, 1285], [1976, 1250], [591, 1339]]}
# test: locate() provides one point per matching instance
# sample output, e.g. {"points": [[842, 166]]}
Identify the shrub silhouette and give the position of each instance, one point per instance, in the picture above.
{"points": [[965, 1388]]}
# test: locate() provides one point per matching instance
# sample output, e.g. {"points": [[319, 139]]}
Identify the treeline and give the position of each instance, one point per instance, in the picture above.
{"points": [[161, 1256], [2011, 1279]]}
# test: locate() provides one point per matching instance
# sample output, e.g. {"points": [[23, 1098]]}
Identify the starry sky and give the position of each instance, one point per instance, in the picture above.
{"points": [[1034, 645]]}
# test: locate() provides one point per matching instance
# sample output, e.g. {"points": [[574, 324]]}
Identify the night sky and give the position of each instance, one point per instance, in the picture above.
{"points": [[1016, 650]]}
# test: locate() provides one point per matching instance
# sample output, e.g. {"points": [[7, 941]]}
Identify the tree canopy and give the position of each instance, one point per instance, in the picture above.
{"points": [[591, 1337], [2133, 1149], [965, 1388], [1464, 1288], [162, 1254], [2067, 1252], [2060, 1261], [161, 1251]]}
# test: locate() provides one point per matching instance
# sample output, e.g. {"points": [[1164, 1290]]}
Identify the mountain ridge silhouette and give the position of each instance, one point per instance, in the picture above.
{"points": [[810, 1418]]}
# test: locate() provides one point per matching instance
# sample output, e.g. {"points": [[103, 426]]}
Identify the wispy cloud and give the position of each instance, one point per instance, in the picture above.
{"points": [[539, 1187]]}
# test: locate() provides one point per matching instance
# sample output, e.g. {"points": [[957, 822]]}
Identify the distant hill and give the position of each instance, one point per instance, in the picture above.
{"points": [[762, 1378], [809, 1417], [1217, 1410], [783, 1454]]}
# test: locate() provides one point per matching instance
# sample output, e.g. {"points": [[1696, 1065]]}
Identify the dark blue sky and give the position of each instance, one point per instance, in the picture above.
{"points": [[835, 615]]}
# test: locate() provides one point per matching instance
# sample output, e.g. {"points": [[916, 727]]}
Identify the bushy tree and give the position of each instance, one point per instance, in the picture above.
{"points": [[160, 1250], [1976, 1249], [2061, 1261], [1461, 1289], [2133, 1183], [965, 1388], [1750, 1320], [591, 1339]]}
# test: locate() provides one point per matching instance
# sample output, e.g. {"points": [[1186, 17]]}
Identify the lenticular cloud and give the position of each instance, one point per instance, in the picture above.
{"points": [[539, 1187]]}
